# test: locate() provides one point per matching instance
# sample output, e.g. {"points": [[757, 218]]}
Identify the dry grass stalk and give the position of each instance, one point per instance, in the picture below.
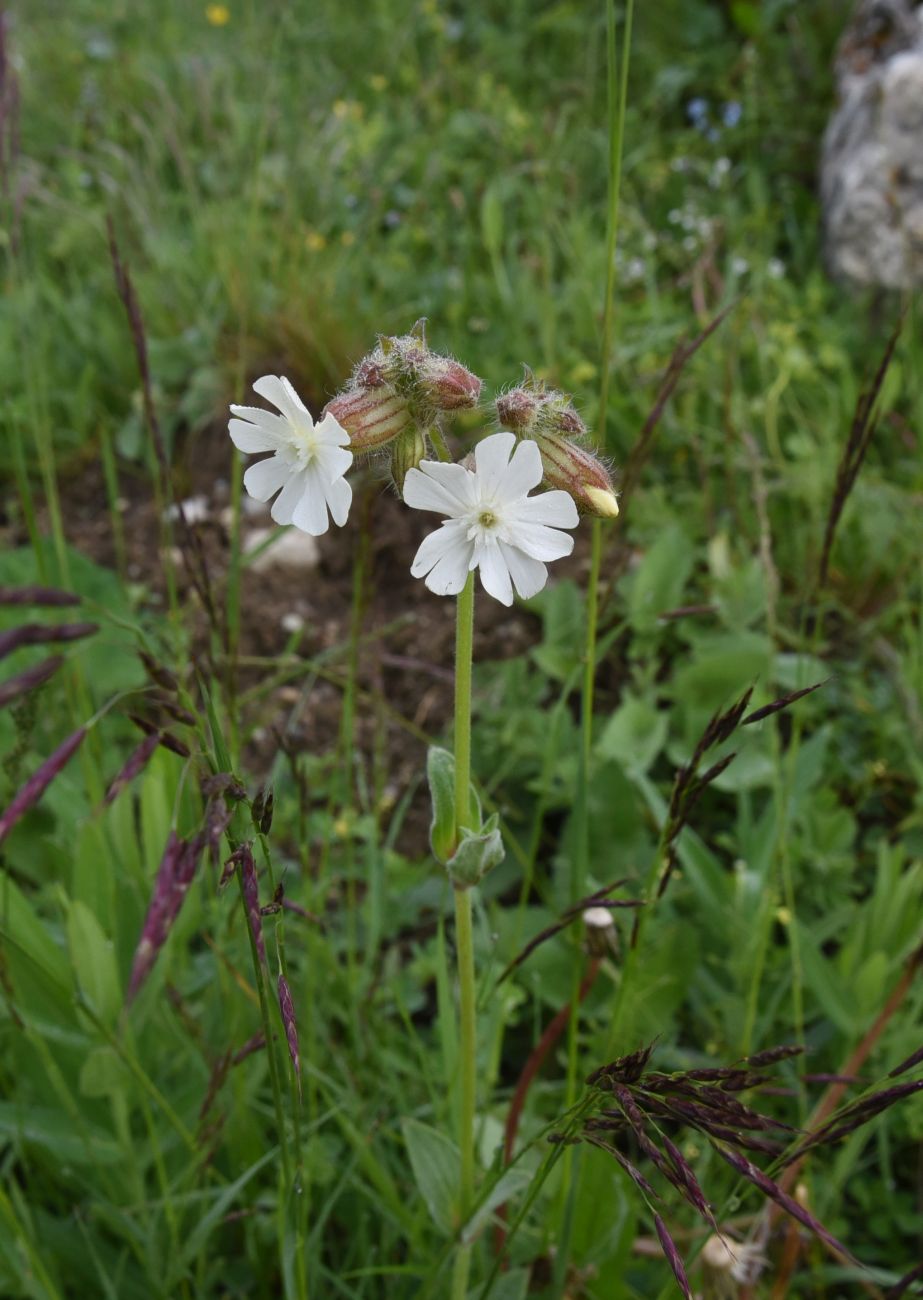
{"points": [[861, 432]]}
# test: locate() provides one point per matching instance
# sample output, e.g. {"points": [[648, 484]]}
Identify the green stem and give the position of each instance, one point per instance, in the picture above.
{"points": [[468, 1061], [464, 638], [464, 941]]}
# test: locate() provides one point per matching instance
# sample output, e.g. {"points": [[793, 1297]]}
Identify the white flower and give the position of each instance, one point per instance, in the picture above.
{"points": [[492, 523], [308, 461]]}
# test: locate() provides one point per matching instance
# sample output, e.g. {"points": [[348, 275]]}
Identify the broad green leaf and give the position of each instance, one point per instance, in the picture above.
{"points": [[634, 735], [660, 579], [440, 773], [436, 1165], [720, 668], [54, 1131], [506, 1187], [561, 607], [102, 1073], [22, 929], [793, 672], [477, 854], [835, 998], [93, 959]]}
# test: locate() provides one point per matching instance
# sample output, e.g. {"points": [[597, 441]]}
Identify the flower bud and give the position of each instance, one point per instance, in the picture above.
{"points": [[549, 419], [371, 416], [579, 472], [407, 451], [450, 385], [401, 385]]}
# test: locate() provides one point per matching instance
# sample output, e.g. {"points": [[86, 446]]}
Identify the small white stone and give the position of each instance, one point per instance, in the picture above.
{"points": [[292, 549], [195, 510]]}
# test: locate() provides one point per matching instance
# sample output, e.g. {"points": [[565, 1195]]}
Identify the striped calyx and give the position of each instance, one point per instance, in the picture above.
{"points": [[401, 390], [548, 418]]}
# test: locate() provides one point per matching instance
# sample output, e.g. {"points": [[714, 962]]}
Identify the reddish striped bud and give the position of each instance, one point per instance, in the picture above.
{"points": [[450, 386], [401, 386], [371, 416], [579, 472], [549, 419]]}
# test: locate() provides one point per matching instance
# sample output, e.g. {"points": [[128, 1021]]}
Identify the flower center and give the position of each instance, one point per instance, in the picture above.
{"points": [[302, 447], [487, 519]]}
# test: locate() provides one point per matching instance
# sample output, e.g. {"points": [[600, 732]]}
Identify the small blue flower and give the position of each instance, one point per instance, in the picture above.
{"points": [[697, 111], [732, 113]]}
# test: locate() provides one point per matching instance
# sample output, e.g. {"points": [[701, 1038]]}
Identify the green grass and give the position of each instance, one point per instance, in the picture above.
{"points": [[284, 187]]}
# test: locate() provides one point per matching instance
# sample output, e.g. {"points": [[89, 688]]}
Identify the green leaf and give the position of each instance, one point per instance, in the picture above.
{"points": [[206, 1223], [436, 1165], [746, 16], [102, 1074], [27, 934], [660, 579], [93, 959], [720, 668], [504, 1189], [440, 773], [562, 612], [834, 999], [792, 672], [634, 735], [54, 1131], [478, 853]]}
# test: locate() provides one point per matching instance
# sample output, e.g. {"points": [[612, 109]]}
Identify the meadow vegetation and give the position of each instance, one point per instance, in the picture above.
{"points": [[277, 184]]}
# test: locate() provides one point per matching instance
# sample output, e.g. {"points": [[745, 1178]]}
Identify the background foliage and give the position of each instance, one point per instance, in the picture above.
{"points": [[286, 180]]}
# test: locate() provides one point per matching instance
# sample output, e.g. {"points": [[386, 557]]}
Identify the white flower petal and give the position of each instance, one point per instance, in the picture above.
{"points": [[339, 499], [265, 478], [554, 508], [263, 419], [540, 542], [434, 547], [310, 511], [529, 575], [525, 471], [251, 437], [280, 392], [295, 400], [284, 506], [447, 489], [495, 575], [329, 431], [492, 458], [450, 573], [332, 461]]}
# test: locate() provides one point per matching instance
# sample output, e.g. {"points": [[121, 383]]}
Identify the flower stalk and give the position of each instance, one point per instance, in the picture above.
{"points": [[464, 938]]}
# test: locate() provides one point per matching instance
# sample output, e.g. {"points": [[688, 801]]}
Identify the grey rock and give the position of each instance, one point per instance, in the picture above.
{"points": [[872, 160]]}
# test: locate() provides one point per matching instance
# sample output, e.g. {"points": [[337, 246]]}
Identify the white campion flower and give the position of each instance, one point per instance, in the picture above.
{"points": [[491, 523], [308, 461]]}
